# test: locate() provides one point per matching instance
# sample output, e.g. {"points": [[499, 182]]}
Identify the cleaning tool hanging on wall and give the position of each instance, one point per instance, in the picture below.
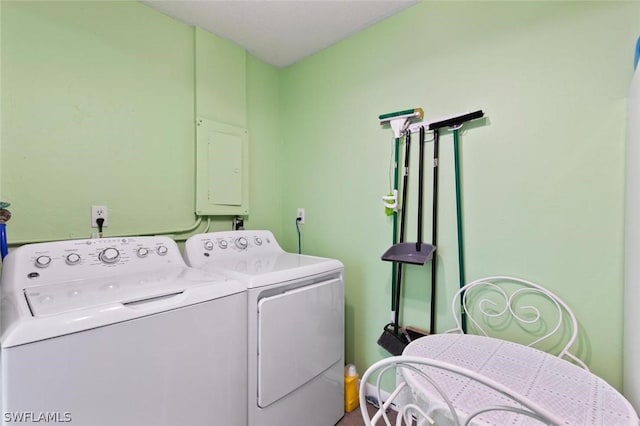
{"points": [[434, 229], [398, 121], [5, 215], [637, 55], [392, 339], [417, 253], [454, 124]]}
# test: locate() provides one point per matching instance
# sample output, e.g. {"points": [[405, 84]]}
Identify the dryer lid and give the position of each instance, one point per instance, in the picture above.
{"points": [[259, 271]]}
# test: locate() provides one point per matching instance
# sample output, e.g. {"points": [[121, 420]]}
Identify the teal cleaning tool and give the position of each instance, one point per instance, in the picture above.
{"points": [[454, 124], [5, 215], [637, 56], [398, 121]]}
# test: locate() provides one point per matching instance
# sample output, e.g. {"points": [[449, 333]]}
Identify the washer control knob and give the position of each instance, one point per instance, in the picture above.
{"points": [[208, 245], [258, 241], [142, 252], [162, 250], [241, 243], [43, 261], [73, 259], [109, 255], [222, 244]]}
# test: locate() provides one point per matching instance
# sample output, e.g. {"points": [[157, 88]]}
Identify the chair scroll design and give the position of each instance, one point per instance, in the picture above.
{"points": [[411, 411], [507, 293]]}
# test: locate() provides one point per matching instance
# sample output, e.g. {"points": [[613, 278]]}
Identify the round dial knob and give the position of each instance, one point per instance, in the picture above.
{"points": [[162, 250], [258, 241], [142, 252], [73, 259], [43, 261], [109, 255], [222, 244], [241, 243], [208, 245]]}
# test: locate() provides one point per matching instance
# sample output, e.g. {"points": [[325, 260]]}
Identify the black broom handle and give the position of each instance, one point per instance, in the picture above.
{"points": [[434, 230], [420, 189], [405, 181]]}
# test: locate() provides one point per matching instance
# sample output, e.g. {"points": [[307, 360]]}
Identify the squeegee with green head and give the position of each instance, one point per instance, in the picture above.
{"points": [[399, 120]]}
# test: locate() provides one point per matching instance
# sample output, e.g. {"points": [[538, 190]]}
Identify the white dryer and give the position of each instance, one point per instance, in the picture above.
{"points": [[296, 325], [119, 331]]}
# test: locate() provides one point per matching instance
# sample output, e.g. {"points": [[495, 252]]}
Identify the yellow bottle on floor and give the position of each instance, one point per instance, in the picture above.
{"points": [[351, 396]]}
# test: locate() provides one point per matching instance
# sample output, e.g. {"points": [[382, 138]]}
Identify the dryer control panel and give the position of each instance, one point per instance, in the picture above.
{"points": [[64, 261], [230, 244]]}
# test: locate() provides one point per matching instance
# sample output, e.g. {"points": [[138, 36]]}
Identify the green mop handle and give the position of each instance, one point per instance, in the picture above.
{"points": [[456, 160]]}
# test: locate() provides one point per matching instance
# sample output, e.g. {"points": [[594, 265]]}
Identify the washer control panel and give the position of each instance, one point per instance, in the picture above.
{"points": [[201, 248], [54, 262]]}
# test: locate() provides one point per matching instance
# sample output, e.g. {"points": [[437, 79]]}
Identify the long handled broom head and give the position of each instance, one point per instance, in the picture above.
{"points": [[399, 120], [456, 121]]}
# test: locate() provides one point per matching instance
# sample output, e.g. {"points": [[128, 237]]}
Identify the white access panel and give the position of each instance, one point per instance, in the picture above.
{"points": [[222, 169], [310, 316], [181, 367]]}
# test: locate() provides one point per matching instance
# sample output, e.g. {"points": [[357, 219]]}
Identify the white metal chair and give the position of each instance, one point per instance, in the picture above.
{"points": [[437, 407], [511, 308]]}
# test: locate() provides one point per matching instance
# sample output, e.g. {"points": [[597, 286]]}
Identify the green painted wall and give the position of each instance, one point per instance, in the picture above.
{"points": [[98, 102], [542, 178], [97, 106], [265, 138], [217, 60]]}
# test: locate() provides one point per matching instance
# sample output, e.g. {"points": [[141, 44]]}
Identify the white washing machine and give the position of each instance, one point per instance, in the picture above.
{"points": [[119, 331], [296, 325]]}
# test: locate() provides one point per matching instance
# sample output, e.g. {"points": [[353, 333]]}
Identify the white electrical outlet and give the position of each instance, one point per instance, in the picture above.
{"points": [[99, 212], [300, 215]]}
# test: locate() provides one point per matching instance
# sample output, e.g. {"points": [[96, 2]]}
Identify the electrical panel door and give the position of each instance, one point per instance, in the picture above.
{"points": [[221, 169]]}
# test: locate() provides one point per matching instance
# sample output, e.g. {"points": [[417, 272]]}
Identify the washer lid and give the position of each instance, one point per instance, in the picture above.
{"points": [[28, 316], [47, 300], [258, 271]]}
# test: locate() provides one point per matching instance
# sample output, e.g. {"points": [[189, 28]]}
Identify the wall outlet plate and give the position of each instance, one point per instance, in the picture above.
{"points": [[300, 215], [99, 212]]}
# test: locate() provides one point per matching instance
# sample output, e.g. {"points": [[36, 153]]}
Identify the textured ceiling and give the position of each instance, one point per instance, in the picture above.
{"points": [[281, 32]]}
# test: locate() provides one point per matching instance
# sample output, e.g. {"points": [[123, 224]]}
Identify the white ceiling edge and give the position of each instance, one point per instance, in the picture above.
{"points": [[281, 32]]}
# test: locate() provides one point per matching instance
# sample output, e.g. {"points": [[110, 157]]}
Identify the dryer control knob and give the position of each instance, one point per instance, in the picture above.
{"points": [[109, 255], [142, 252], [73, 259], [208, 245], [258, 241], [43, 261], [222, 244], [241, 243], [162, 250]]}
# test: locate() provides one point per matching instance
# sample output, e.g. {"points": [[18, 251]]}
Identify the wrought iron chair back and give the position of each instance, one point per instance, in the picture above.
{"points": [[411, 405], [515, 309]]}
